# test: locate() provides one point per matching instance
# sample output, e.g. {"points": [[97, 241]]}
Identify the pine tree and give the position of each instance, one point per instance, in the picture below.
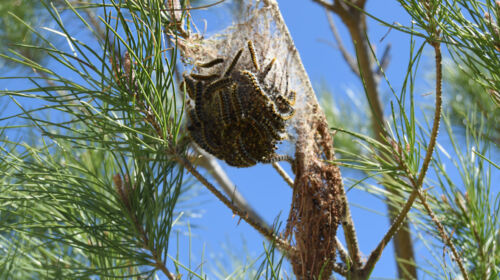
{"points": [[103, 138]]}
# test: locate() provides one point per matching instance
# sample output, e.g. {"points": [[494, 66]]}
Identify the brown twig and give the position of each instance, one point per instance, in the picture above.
{"points": [[434, 32], [347, 56], [437, 115], [417, 184], [165, 271], [283, 174]]}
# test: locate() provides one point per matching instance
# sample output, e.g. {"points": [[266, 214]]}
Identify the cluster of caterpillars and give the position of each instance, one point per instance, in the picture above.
{"points": [[237, 116]]}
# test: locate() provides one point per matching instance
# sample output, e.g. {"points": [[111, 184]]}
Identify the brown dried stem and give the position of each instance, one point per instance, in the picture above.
{"points": [[417, 183], [434, 31]]}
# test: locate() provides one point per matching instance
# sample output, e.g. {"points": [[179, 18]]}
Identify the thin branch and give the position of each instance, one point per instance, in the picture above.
{"points": [[327, 6], [398, 221], [344, 256], [262, 229], [350, 232], [437, 115], [209, 162], [283, 174], [444, 235], [347, 56], [165, 271], [340, 268], [384, 63], [428, 157], [417, 184]]}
